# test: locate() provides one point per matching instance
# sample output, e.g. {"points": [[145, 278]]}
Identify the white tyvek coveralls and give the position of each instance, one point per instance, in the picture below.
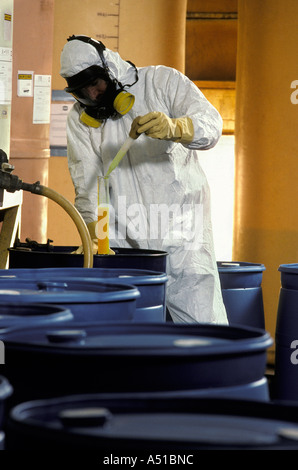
{"points": [[153, 172]]}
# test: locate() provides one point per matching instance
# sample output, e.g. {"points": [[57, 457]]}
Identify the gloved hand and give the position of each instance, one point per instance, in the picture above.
{"points": [[159, 126], [92, 230]]}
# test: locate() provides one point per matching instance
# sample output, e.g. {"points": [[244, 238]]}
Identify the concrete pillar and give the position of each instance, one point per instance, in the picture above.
{"points": [[266, 220], [29, 150]]}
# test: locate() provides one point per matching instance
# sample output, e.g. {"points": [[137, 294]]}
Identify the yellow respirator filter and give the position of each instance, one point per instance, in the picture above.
{"points": [[123, 102], [89, 120]]}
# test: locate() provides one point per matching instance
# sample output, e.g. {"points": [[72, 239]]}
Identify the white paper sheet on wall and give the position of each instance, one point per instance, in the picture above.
{"points": [[42, 99], [5, 74], [25, 83], [7, 26]]}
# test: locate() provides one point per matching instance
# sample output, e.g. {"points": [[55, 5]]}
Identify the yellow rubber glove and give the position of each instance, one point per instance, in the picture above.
{"points": [[92, 230], [159, 126]]}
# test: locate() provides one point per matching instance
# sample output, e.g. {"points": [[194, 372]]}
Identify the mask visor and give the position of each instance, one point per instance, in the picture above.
{"points": [[83, 98], [84, 78]]}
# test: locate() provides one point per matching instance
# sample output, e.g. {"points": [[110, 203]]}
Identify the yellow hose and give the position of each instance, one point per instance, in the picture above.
{"points": [[78, 220]]}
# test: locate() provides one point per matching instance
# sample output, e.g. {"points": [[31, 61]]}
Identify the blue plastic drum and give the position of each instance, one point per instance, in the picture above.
{"points": [[286, 335], [88, 301], [242, 292], [176, 360], [150, 306]]}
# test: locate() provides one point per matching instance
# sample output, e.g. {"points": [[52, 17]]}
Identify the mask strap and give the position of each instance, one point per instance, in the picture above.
{"points": [[136, 71]]}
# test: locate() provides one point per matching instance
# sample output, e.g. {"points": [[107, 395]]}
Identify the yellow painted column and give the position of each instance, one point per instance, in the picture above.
{"points": [[266, 119]]}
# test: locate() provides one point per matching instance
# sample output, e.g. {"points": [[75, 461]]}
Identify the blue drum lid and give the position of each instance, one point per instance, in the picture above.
{"points": [[143, 339], [239, 267], [130, 276], [289, 278], [65, 291], [187, 428], [15, 314], [289, 268], [88, 416]]}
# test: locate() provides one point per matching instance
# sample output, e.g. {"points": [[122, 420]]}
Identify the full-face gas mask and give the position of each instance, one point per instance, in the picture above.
{"points": [[115, 99]]}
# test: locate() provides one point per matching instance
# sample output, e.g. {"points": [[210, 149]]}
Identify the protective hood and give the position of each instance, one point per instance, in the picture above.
{"points": [[78, 55]]}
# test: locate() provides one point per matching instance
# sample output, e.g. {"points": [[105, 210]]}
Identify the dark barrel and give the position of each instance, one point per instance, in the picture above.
{"points": [[40, 256], [286, 335], [188, 360], [242, 292]]}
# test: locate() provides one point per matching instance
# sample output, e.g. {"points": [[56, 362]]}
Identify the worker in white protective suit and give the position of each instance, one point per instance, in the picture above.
{"points": [[170, 120]]}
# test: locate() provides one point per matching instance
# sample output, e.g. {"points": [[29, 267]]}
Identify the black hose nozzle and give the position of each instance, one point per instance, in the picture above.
{"points": [[11, 182]]}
